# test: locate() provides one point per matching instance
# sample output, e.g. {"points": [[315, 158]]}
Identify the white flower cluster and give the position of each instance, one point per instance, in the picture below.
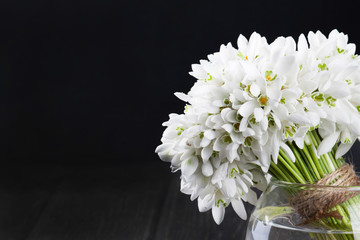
{"points": [[248, 101]]}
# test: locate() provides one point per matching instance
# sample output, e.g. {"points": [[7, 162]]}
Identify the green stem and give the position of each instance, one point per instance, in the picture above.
{"points": [[309, 168], [314, 165]]}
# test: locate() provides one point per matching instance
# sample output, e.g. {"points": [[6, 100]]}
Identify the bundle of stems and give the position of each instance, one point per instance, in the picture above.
{"points": [[308, 168]]}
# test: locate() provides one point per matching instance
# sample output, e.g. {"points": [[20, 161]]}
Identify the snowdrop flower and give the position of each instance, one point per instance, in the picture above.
{"points": [[248, 101]]}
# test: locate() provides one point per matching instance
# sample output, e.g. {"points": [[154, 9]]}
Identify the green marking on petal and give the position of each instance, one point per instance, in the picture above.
{"points": [[289, 131], [220, 201], [187, 107], [302, 95], [271, 121], [348, 81], [233, 172], [318, 97], [227, 102], [322, 67], [180, 130], [252, 119], [331, 101], [227, 139], [209, 77], [282, 100], [201, 135], [248, 141], [215, 154], [269, 76], [358, 108], [347, 140], [238, 117], [236, 127], [242, 86], [268, 73], [340, 50]]}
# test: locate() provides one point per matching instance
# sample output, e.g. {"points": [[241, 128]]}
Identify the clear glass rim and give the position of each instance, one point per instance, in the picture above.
{"points": [[280, 183]]}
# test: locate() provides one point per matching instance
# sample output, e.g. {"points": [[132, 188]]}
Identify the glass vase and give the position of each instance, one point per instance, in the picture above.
{"points": [[275, 215]]}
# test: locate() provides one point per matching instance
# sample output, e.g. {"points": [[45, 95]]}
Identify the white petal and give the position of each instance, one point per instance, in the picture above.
{"points": [[206, 203], [314, 118], [255, 90], [288, 151], [228, 127], [231, 152], [247, 109], [338, 89], [182, 96], [277, 121], [191, 131], [251, 197], [328, 143], [328, 126], [207, 169], [188, 167], [218, 214], [259, 114], [163, 147], [250, 69], [198, 71], [286, 65], [302, 43], [345, 135], [308, 86], [242, 43], [216, 162], [343, 149], [219, 144], [205, 142], [239, 208], [299, 118], [229, 187], [355, 128], [243, 186], [165, 157], [243, 124], [210, 134], [265, 160], [275, 145], [220, 173], [346, 72], [299, 142], [206, 153]]}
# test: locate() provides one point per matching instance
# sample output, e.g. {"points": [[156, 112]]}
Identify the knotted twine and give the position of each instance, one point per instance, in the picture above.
{"points": [[315, 203]]}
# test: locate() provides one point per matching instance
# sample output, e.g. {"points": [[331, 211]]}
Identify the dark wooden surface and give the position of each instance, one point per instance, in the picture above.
{"points": [[39, 202]]}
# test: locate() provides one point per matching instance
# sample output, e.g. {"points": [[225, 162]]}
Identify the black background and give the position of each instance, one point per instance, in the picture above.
{"points": [[92, 81], [84, 88]]}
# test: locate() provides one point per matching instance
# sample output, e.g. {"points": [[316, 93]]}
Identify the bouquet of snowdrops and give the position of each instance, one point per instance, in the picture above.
{"points": [[287, 109]]}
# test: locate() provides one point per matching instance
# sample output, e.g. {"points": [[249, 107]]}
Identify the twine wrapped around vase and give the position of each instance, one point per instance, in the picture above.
{"points": [[315, 204]]}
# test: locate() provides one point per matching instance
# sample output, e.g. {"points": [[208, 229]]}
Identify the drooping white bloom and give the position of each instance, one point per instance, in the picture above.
{"points": [[248, 101]]}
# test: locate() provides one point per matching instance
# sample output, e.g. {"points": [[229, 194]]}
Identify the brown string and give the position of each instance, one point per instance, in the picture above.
{"points": [[314, 204]]}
